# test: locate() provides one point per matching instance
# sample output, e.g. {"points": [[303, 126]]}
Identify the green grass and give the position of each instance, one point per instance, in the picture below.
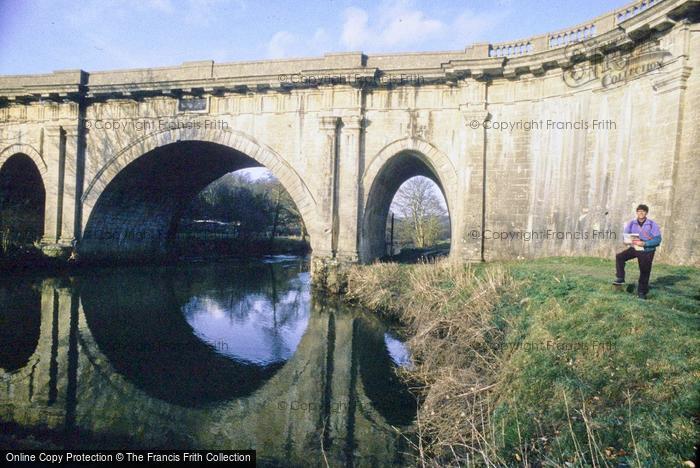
{"points": [[590, 375], [633, 365]]}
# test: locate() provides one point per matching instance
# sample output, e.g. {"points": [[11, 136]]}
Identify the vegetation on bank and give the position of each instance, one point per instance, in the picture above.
{"points": [[543, 363]]}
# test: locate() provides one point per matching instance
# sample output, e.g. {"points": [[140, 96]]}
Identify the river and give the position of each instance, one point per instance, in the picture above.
{"points": [[227, 355]]}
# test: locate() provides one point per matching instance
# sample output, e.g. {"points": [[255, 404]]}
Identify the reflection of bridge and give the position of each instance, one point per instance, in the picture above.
{"points": [[69, 384], [120, 153]]}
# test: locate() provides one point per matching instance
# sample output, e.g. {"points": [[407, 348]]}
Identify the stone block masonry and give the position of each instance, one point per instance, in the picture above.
{"points": [[565, 132]]}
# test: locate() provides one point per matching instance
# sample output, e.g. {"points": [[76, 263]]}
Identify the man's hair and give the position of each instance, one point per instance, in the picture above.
{"points": [[643, 207]]}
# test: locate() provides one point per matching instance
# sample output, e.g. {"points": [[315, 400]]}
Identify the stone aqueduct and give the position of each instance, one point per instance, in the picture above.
{"points": [[565, 131]]}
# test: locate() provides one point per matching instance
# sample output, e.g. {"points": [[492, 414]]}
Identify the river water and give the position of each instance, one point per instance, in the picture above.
{"points": [[229, 355]]}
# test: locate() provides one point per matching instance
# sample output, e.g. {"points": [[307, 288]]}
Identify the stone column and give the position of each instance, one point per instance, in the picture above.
{"points": [[62, 188], [329, 197], [53, 148], [471, 211], [349, 209], [324, 265], [71, 196]]}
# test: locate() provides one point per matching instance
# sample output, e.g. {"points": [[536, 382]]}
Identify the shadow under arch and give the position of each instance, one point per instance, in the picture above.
{"points": [[136, 320], [385, 174], [22, 199], [133, 204]]}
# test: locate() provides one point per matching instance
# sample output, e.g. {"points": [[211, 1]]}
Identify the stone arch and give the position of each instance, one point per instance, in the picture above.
{"points": [[239, 142], [428, 161], [26, 182], [27, 150], [436, 160]]}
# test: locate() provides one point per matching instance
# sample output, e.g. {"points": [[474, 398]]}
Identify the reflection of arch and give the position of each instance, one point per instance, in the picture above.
{"points": [[142, 189], [159, 353], [283, 418], [388, 394], [393, 165], [20, 316]]}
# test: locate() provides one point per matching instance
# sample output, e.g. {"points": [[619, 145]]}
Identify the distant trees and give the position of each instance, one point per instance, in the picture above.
{"points": [[421, 217], [257, 209]]}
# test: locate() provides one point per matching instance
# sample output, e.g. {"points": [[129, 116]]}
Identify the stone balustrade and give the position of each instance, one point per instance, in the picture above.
{"points": [[634, 9]]}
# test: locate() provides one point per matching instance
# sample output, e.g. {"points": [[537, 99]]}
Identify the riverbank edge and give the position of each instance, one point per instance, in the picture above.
{"points": [[508, 402], [35, 263]]}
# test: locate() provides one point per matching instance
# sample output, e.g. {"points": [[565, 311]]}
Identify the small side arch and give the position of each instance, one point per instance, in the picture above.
{"points": [[436, 160], [23, 193], [28, 150], [394, 164]]}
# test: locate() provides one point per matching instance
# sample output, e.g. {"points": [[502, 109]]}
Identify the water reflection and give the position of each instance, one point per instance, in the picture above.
{"points": [[20, 320], [138, 323], [256, 328], [398, 351], [204, 356]]}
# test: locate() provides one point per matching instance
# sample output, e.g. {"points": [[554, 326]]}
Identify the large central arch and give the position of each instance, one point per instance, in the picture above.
{"points": [[133, 203]]}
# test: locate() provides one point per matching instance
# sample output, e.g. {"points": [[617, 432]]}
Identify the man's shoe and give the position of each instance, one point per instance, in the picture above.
{"points": [[619, 282], [642, 296]]}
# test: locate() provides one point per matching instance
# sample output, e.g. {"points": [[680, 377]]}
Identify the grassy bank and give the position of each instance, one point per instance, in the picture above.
{"points": [[543, 363]]}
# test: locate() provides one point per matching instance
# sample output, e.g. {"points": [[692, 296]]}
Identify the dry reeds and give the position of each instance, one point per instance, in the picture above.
{"points": [[454, 343]]}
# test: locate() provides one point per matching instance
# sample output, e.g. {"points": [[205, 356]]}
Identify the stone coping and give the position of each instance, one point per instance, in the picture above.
{"points": [[534, 55]]}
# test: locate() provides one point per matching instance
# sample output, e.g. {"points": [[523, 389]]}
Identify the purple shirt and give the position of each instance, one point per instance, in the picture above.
{"points": [[649, 232]]}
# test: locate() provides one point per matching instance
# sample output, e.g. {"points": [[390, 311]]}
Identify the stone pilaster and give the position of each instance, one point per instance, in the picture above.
{"points": [[71, 197], [53, 149], [328, 197], [348, 190], [472, 204]]}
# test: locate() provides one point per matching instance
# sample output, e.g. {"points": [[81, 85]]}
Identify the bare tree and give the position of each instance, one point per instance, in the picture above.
{"points": [[418, 202]]}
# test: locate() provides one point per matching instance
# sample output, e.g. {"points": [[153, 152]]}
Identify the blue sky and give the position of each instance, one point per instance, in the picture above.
{"points": [[40, 36]]}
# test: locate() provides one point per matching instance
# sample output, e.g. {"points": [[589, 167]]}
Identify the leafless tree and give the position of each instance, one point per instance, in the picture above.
{"points": [[418, 202]]}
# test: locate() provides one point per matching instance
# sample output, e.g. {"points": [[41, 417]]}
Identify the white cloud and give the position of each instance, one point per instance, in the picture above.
{"points": [[393, 26], [355, 29], [285, 44], [470, 27], [399, 26], [280, 43]]}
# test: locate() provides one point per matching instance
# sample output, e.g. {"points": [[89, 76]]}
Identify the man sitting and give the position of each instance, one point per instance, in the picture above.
{"points": [[644, 235]]}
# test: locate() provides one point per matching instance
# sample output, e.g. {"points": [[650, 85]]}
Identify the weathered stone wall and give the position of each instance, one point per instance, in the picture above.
{"points": [[343, 131], [683, 220], [588, 182]]}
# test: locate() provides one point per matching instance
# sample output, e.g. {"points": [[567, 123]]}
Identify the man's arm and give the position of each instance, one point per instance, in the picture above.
{"points": [[656, 239], [653, 242]]}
